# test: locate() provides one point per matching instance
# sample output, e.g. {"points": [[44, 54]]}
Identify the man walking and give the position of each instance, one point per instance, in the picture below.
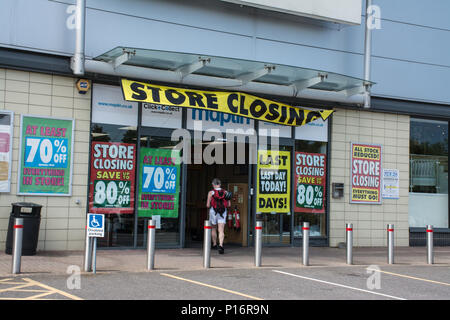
{"points": [[217, 204]]}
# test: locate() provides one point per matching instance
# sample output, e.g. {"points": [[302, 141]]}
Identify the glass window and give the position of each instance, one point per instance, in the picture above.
{"points": [[310, 193], [119, 228], [169, 233], [428, 185]]}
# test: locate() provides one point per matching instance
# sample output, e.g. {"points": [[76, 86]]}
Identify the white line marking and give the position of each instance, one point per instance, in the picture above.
{"points": [[339, 285]]}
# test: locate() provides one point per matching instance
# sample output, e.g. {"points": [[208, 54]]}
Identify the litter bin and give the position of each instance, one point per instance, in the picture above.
{"points": [[31, 214]]}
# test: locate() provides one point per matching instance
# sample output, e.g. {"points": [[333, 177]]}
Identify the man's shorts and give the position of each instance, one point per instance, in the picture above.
{"points": [[216, 218]]}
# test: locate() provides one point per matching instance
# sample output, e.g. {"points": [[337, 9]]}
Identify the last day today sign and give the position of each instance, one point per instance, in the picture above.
{"points": [[273, 191]]}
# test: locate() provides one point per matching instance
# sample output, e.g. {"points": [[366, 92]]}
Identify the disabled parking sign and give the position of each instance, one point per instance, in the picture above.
{"points": [[95, 225]]}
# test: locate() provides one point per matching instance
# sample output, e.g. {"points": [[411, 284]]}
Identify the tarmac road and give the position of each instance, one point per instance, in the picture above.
{"points": [[397, 282]]}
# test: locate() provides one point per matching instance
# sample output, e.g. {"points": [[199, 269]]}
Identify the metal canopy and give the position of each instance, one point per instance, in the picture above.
{"points": [[243, 71]]}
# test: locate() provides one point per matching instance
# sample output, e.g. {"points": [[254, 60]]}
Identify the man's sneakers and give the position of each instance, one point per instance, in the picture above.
{"points": [[219, 248]]}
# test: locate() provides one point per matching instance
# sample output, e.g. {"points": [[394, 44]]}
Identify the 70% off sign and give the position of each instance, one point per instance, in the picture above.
{"points": [[159, 179], [48, 152]]}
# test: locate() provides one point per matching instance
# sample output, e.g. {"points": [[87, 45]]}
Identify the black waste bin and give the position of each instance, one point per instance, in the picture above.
{"points": [[31, 214]]}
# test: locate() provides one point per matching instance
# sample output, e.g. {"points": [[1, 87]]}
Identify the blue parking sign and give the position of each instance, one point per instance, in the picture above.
{"points": [[95, 225]]}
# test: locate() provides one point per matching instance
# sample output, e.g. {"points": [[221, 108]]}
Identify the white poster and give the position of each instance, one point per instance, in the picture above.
{"points": [[316, 130], [108, 106], [6, 134], [390, 188], [161, 116], [270, 129]]}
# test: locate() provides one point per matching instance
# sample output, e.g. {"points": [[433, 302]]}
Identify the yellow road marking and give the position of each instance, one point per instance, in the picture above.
{"points": [[42, 292], [37, 296], [54, 290], [211, 286], [410, 277], [16, 287]]}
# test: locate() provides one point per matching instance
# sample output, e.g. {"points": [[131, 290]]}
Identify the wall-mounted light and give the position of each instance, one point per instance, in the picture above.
{"points": [[337, 190]]}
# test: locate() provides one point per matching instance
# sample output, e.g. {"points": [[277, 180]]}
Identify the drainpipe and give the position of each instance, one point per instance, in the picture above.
{"points": [[77, 61], [367, 55]]}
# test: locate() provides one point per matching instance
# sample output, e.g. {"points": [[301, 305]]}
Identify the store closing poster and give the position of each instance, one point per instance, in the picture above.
{"points": [[273, 180], [111, 189], [45, 166], [365, 173], [310, 182], [159, 181]]}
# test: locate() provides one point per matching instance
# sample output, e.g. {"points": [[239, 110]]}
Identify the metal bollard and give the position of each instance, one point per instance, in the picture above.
{"points": [[390, 231], [151, 244], [17, 245], [305, 235], [207, 245], [87, 254], [349, 238], [94, 255], [258, 243], [430, 251]]}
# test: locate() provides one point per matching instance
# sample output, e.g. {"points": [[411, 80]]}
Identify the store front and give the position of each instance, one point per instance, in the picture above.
{"points": [[220, 146]]}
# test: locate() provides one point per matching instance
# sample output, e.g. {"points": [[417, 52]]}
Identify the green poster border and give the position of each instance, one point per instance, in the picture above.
{"points": [[21, 152], [144, 151]]}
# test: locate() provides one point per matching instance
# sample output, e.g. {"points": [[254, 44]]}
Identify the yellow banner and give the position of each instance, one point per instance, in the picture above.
{"points": [[235, 103], [274, 181]]}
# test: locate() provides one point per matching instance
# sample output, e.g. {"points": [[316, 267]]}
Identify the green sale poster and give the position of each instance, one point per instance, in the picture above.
{"points": [[45, 166], [159, 181]]}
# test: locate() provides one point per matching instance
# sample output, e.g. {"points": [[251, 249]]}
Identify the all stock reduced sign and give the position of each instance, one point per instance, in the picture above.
{"points": [[365, 184], [159, 182], [273, 191], [111, 188], [310, 182], [45, 166]]}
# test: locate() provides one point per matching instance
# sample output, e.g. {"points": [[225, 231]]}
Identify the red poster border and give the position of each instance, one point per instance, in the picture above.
{"points": [[376, 146], [324, 184], [132, 180]]}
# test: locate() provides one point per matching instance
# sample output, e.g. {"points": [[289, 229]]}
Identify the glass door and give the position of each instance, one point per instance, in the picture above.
{"points": [[159, 191]]}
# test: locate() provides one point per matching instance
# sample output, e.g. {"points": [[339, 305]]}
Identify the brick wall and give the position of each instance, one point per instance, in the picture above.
{"points": [[62, 220], [369, 221]]}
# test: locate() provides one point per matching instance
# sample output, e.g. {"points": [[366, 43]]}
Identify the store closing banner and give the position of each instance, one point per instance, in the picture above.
{"points": [[235, 103]]}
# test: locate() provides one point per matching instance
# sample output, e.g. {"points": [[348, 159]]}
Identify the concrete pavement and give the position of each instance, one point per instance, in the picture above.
{"points": [[112, 261]]}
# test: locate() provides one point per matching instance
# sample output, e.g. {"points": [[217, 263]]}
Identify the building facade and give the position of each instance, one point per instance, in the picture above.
{"points": [[252, 50]]}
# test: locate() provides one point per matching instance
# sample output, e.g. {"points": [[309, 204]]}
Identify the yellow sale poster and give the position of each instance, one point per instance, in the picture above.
{"points": [[273, 180]]}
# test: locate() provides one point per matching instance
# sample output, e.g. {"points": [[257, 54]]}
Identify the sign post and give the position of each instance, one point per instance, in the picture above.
{"points": [[95, 229]]}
